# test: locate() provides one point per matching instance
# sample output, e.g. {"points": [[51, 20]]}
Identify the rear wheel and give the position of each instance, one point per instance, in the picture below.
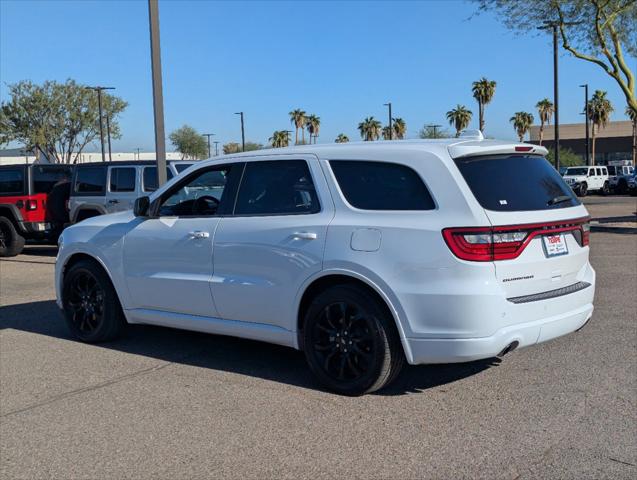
{"points": [[583, 189], [622, 186], [91, 307], [350, 341], [605, 189], [11, 242]]}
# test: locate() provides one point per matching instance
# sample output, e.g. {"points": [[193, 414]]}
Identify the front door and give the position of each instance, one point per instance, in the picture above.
{"points": [[273, 242], [121, 188], [168, 257]]}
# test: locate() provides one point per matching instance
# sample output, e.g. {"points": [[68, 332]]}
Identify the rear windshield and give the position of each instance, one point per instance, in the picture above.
{"points": [[44, 177], [510, 183]]}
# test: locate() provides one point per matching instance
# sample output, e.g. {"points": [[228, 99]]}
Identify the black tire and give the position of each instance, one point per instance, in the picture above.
{"points": [[91, 307], [355, 357], [583, 190], [605, 190], [622, 187], [11, 242]]}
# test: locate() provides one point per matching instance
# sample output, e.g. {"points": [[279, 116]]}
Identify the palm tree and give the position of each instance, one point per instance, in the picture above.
{"points": [[459, 117], [313, 125], [522, 121], [342, 138], [483, 91], [599, 110], [370, 129], [633, 116], [297, 117], [279, 138], [545, 109], [400, 128], [386, 133]]}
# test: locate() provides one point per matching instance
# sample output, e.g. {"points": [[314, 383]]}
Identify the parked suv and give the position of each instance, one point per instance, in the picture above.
{"points": [[588, 179], [619, 175], [100, 188], [28, 210], [363, 255]]}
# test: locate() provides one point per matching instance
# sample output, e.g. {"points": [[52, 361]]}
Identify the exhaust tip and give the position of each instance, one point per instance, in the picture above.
{"points": [[508, 349]]}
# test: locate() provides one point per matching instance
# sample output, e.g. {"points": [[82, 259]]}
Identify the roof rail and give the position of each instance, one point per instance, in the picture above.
{"points": [[473, 134]]}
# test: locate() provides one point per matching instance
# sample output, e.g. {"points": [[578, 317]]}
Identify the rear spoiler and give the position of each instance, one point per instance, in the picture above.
{"points": [[486, 147]]}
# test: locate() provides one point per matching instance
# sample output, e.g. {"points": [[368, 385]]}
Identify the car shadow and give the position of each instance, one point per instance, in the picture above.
{"points": [[239, 356]]}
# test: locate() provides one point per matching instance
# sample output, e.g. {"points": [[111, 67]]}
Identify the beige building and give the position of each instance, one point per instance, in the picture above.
{"points": [[615, 142]]}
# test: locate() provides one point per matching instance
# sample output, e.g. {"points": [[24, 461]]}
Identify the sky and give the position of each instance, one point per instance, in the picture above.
{"points": [[339, 60]]}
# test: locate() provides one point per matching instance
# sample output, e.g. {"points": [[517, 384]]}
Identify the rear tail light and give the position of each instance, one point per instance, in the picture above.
{"points": [[32, 204], [487, 244], [586, 233]]}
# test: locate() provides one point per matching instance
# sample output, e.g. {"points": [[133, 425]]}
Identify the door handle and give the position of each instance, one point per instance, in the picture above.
{"points": [[113, 201], [304, 235], [198, 234]]}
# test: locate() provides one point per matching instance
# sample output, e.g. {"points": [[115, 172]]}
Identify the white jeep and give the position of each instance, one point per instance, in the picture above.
{"points": [[587, 179]]}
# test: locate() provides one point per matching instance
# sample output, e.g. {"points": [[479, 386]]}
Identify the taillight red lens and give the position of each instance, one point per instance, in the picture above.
{"points": [[586, 233], [484, 244], [32, 204]]}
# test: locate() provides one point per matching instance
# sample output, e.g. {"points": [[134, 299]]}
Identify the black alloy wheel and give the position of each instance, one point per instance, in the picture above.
{"points": [[86, 302]]}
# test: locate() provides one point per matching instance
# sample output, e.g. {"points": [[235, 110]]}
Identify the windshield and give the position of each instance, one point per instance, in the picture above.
{"points": [[577, 171], [509, 183]]}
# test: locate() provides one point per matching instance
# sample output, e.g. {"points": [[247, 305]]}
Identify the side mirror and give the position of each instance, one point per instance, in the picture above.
{"points": [[142, 204]]}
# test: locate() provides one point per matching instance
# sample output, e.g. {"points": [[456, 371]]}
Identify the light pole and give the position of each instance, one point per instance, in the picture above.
{"points": [[99, 89], [435, 127], [138, 149], [391, 132], [216, 148], [208, 135], [585, 86], [158, 96], [243, 136]]}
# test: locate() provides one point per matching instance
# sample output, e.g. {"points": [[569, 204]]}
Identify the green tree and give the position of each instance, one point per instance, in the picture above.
{"points": [[483, 91], [459, 118], [545, 110], [297, 117], [386, 133], [342, 138], [597, 31], [56, 119], [599, 110], [521, 121], [313, 126], [252, 146], [191, 144], [280, 138], [568, 158], [400, 128], [370, 129], [431, 132], [633, 117]]}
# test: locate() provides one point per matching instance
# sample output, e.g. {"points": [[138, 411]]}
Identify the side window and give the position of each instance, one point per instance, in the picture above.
{"points": [[90, 180], [381, 186], [203, 193], [123, 179], [45, 177], [604, 171], [11, 181], [599, 172], [279, 187], [150, 178]]}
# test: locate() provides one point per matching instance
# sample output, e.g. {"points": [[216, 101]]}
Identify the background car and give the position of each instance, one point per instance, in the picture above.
{"points": [[588, 179]]}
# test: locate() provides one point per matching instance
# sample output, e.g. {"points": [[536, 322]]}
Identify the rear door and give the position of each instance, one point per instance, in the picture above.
{"points": [[122, 188], [88, 190], [524, 196]]}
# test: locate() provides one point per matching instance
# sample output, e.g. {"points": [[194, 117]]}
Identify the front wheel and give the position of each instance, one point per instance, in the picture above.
{"points": [[91, 307], [350, 341], [11, 242]]}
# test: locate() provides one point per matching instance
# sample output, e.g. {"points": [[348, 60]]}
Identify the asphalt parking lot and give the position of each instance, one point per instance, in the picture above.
{"points": [[162, 403]]}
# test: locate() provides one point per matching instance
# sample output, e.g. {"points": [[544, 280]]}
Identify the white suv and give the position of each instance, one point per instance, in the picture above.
{"points": [[588, 179], [364, 256]]}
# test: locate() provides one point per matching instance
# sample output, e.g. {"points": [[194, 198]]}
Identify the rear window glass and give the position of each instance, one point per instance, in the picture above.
{"points": [[516, 183], [123, 179], [11, 181], [90, 180], [381, 186], [150, 178], [45, 177]]}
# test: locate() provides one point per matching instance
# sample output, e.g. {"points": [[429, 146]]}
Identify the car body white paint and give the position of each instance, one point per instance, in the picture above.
{"points": [[247, 277]]}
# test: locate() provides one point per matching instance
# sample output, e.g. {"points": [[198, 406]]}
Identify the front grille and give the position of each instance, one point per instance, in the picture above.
{"points": [[576, 287]]}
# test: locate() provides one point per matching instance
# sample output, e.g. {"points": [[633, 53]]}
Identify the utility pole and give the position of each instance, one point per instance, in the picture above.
{"points": [[99, 89], [108, 135], [208, 135], [391, 130], [243, 136], [216, 148], [158, 97], [138, 149], [435, 127], [585, 86]]}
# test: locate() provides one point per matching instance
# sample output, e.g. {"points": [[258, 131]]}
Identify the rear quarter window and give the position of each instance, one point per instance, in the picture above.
{"points": [[12, 181], [45, 177], [509, 183], [381, 186]]}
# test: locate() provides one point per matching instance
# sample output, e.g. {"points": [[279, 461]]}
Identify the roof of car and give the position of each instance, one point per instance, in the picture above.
{"points": [[124, 163]]}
